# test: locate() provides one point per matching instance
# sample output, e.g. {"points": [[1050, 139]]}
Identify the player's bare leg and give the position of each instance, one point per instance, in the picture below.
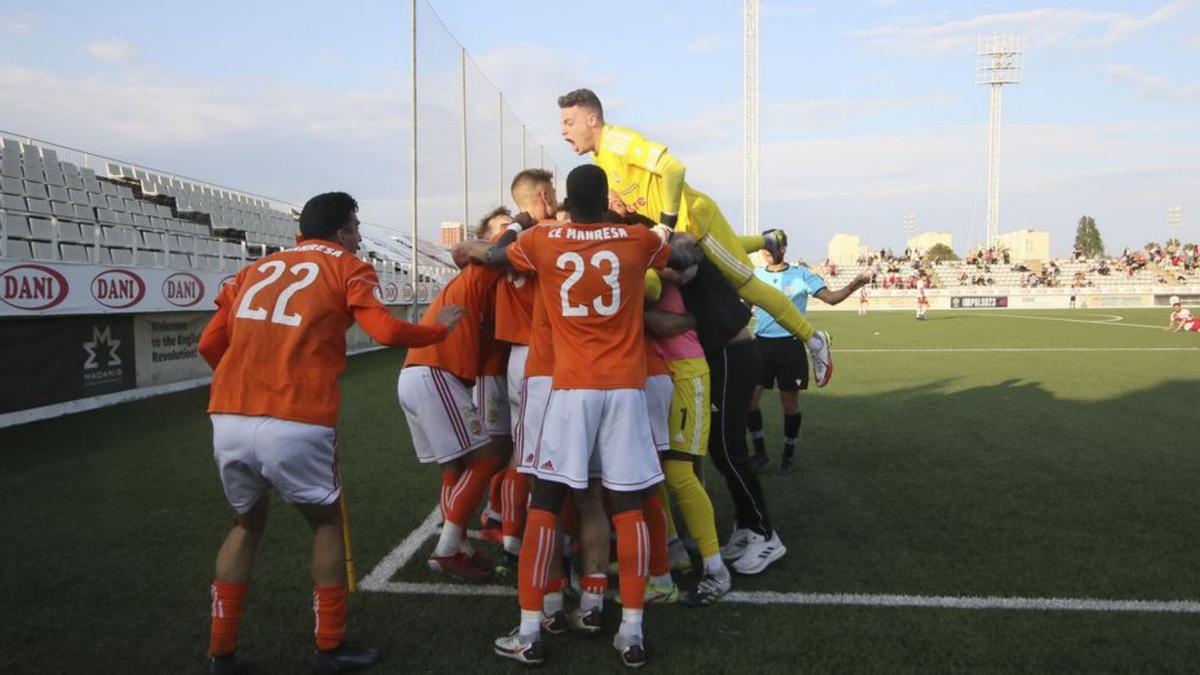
{"points": [[595, 536], [329, 594], [453, 554], [235, 561]]}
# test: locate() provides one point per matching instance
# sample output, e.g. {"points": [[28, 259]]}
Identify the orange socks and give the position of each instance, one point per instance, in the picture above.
{"points": [[329, 607], [633, 556], [449, 480], [494, 510], [514, 499], [537, 550], [468, 490], [227, 602], [656, 523]]}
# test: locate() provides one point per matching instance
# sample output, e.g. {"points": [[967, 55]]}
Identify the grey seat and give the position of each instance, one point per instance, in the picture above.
{"points": [[152, 258], [37, 206], [19, 250], [62, 210], [141, 221], [124, 219], [153, 240], [85, 213], [58, 194], [41, 229], [69, 232], [12, 186], [12, 203], [106, 216], [103, 256], [115, 203], [116, 236], [75, 253], [78, 197], [181, 261], [44, 250], [121, 256], [107, 189], [97, 201], [33, 189], [17, 226]]}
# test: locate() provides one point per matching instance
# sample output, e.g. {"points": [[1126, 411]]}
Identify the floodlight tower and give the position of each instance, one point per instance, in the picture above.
{"points": [[998, 62], [750, 117], [1174, 220], [910, 226]]}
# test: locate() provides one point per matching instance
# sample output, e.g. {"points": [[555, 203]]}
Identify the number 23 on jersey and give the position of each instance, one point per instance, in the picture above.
{"points": [[601, 260]]}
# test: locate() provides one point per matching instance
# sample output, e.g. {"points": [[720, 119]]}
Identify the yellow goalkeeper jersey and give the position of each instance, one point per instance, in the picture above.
{"points": [[629, 160]]}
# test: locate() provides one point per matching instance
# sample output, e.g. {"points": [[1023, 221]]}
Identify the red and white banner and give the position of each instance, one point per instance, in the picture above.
{"points": [[43, 289]]}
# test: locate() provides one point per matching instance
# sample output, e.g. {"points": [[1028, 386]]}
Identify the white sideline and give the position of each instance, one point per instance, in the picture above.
{"points": [[378, 582], [1114, 320]]}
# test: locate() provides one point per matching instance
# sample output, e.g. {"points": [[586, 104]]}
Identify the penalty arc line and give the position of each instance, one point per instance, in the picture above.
{"points": [[378, 581]]}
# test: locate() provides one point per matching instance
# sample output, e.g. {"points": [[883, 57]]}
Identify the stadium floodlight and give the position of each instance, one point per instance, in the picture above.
{"points": [[910, 226], [413, 311], [1174, 220], [999, 61], [750, 118]]}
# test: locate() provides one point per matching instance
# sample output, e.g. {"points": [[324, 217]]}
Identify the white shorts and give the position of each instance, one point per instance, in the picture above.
{"points": [[254, 454], [516, 380], [659, 390], [586, 425], [535, 397], [491, 399], [441, 415]]}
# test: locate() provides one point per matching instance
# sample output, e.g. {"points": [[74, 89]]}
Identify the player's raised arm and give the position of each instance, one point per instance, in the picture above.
{"points": [[835, 297]]}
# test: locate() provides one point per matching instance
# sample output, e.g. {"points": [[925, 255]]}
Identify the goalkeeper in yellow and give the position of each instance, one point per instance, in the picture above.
{"points": [[651, 182]]}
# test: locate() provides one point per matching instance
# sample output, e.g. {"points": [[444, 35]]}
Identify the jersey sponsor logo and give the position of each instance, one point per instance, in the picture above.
{"points": [[183, 289], [32, 287], [118, 289]]}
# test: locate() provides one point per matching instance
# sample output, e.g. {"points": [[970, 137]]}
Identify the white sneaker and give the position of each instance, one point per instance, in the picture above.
{"points": [[736, 545], [759, 553], [822, 360]]}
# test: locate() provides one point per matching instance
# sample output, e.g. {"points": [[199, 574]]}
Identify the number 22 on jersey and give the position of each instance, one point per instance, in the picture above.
{"points": [[307, 273], [574, 262]]}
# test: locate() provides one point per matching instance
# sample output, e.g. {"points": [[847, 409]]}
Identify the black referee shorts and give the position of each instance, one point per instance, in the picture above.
{"points": [[785, 360]]}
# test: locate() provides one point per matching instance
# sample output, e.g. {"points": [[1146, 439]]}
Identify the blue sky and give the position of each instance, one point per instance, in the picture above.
{"points": [[869, 110]]}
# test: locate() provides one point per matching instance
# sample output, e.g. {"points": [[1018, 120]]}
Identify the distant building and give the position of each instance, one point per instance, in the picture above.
{"points": [[927, 240], [1026, 244], [845, 249], [453, 233]]}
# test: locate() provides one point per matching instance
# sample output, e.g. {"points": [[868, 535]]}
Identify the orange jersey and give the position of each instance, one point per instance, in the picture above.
{"points": [[514, 308], [539, 361], [474, 289], [284, 319], [495, 352], [591, 279], [655, 363]]}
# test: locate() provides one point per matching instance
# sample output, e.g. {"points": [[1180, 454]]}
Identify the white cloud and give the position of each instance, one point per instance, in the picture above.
{"points": [[112, 50], [17, 24], [1153, 87], [1043, 27], [707, 43]]}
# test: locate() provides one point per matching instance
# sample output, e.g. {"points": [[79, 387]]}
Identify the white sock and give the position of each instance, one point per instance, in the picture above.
{"points": [[631, 622], [552, 603], [512, 545], [715, 566], [590, 601], [815, 342], [448, 540], [661, 579], [531, 624], [464, 545]]}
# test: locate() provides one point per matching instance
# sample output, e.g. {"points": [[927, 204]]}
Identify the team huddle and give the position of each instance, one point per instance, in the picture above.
{"points": [[571, 378]]}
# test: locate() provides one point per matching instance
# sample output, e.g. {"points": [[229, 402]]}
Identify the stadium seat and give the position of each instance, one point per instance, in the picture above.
{"points": [[140, 221], [58, 194], [43, 250], [40, 206], [103, 256], [69, 232], [121, 256], [78, 197], [75, 253], [42, 229], [153, 240], [181, 261], [11, 186], [36, 190], [62, 210], [19, 250], [12, 203], [107, 188], [124, 219], [116, 236]]}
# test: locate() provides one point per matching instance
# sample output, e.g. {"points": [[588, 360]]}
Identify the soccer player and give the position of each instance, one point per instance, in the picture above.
{"points": [[591, 277], [862, 301], [277, 345], [434, 390], [922, 299], [651, 182], [784, 358], [1181, 318]]}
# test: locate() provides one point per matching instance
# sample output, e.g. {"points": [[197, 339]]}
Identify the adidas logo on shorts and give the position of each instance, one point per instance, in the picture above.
{"points": [[547, 465]]}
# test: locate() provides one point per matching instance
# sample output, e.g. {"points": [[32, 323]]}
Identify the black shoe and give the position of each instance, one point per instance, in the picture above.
{"points": [[760, 462], [344, 660], [225, 664], [788, 464]]}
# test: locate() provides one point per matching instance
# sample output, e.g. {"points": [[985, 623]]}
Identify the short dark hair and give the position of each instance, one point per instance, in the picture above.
{"points": [[482, 227], [534, 176], [585, 98], [325, 214], [587, 188]]}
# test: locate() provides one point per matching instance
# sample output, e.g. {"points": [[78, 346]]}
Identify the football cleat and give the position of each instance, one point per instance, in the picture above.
{"points": [[631, 649], [224, 664], [460, 566], [556, 623], [506, 567], [343, 660], [822, 360], [659, 594], [586, 621], [736, 545], [759, 553], [518, 648], [709, 590], [760, 462], [788, 464]]}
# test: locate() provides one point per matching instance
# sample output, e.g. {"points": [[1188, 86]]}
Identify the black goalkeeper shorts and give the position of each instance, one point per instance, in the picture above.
{"points": [[785, 360]]}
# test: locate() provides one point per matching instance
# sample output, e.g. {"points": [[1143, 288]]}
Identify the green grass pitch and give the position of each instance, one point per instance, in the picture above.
{"points": [[1007, 453]]}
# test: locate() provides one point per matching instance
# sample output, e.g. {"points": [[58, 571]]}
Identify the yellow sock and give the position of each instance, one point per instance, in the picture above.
{"points": [[694, 505], [666, 501]]}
